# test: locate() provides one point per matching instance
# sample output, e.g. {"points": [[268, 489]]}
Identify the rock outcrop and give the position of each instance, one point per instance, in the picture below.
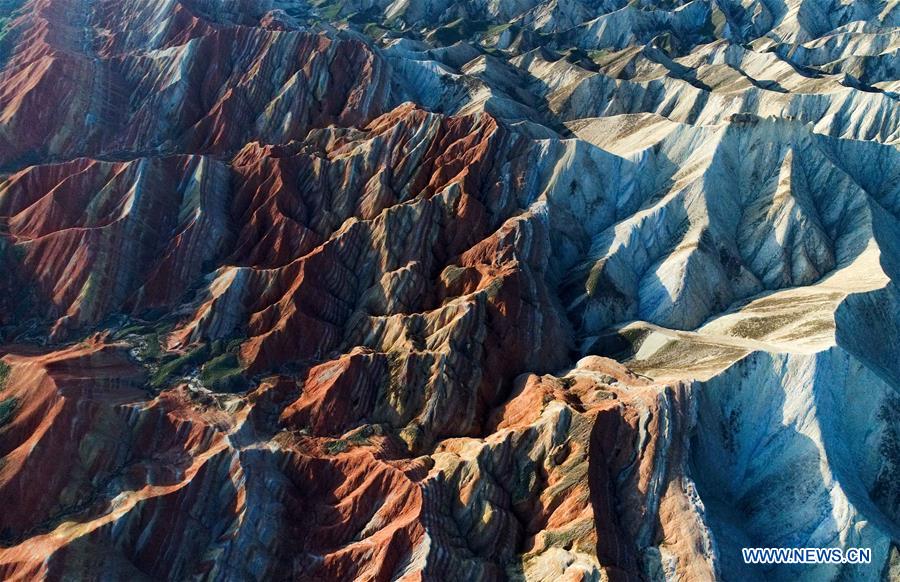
{"points": [[425, 290]]}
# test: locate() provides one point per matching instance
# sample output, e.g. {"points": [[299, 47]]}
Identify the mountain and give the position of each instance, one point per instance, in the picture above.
{"points": [[448, 290]]}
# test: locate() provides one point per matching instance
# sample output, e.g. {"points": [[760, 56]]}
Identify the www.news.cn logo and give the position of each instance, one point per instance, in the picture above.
{"points": [[807, 556]]}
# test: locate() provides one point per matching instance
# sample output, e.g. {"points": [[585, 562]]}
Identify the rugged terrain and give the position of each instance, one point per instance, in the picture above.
{"points": [[448, 290]]}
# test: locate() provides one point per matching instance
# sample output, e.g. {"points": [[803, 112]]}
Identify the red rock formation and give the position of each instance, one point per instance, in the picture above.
{"points": [[375, 272], [93, 237], [201, 87], [129, 473]]}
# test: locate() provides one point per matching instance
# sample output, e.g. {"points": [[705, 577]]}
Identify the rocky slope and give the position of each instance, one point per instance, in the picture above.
{"points": [[414, 290]]}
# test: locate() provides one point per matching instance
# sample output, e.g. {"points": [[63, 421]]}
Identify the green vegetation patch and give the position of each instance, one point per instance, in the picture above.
{"points": [[149, 346], [175, 366], [216, 364], [458, 30], [224, 373], [336, 446], [328, 9], [4, 374], [357, 438], [374, 31], [497, 29], [8, 407]]}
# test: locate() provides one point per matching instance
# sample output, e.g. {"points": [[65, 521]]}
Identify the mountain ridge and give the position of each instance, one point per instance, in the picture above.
{"points": [[533, 290]]}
